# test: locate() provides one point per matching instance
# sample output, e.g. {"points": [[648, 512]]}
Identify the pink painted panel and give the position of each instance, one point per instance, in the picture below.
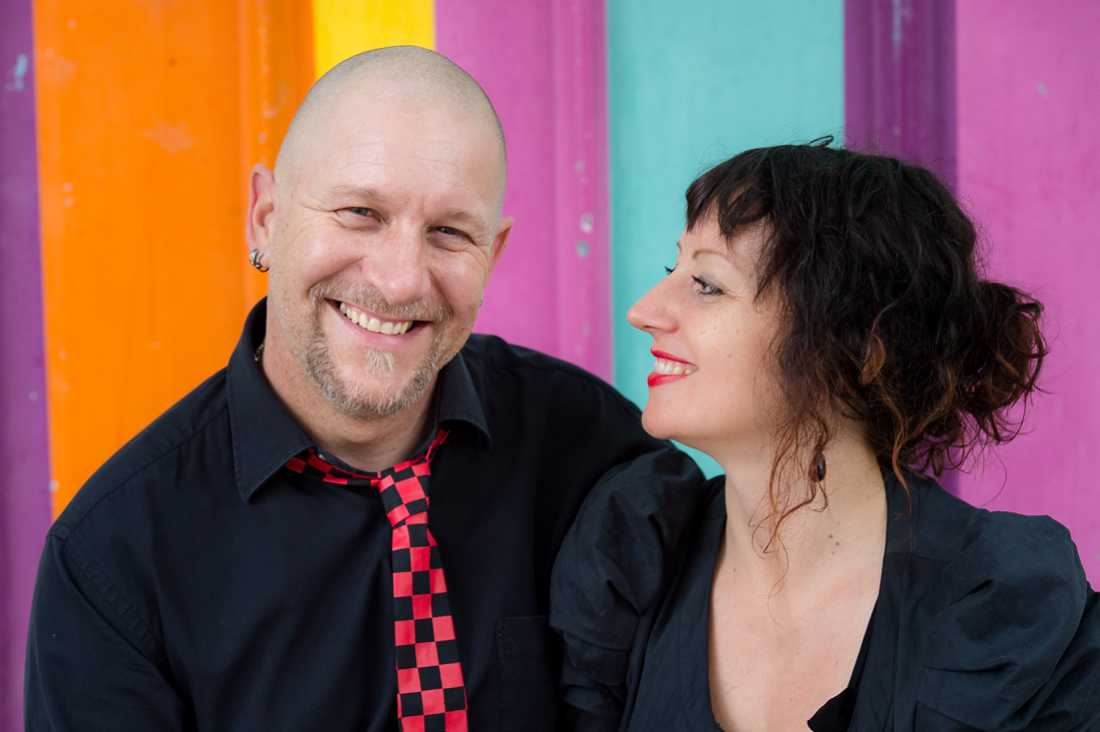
{"points": [[543, 65], [1029, 171]]}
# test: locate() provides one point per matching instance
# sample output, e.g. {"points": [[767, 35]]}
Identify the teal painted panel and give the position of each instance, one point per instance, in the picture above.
{"points": [[690, 84]]}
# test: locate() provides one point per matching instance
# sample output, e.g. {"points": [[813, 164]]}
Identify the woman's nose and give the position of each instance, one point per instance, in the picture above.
{"points": [[651, 311]]}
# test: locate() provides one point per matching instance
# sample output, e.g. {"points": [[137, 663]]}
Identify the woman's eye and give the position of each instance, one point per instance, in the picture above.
{"points": [[705, 288]]}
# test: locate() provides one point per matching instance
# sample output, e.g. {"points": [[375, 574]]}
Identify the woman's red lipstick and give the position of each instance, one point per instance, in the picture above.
{"points": [[656, 379]]}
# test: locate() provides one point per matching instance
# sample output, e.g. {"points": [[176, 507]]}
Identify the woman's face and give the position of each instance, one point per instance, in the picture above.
{"points": [[713, 385]]}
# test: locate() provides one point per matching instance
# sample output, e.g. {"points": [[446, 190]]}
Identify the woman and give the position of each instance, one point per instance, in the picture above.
{"points": [[825, 337]]}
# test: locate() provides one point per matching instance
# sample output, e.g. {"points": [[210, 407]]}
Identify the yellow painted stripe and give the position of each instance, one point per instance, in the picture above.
{"points": [[343, 28]]}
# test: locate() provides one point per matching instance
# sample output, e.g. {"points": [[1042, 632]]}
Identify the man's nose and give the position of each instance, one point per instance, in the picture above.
{"points": [[397, 265]]}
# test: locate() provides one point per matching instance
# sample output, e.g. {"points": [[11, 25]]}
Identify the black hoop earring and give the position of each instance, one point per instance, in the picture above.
{"points": [[256, 259]]}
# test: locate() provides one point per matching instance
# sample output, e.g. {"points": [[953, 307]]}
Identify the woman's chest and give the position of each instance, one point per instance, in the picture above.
{"points": [[772, 665], [758, 683]]}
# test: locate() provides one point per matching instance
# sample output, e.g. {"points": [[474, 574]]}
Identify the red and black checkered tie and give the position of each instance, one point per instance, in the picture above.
{"points": [[431, 694]]}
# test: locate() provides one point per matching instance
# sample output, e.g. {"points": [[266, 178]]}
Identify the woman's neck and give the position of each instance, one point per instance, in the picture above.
{"points": [[844, 526]]}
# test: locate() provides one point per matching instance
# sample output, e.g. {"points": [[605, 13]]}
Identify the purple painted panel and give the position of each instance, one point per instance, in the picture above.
{"points": [[899, 87], [1029, 171], [899, 74], [543, 66], [24, 495]]}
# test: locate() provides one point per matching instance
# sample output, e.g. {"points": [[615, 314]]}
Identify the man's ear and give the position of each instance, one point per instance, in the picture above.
{"points": [[500, 242], [261, 207]]}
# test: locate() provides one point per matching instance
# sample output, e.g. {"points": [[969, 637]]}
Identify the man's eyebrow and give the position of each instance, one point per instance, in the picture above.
{"points": [[356, 191], [462, 216]]}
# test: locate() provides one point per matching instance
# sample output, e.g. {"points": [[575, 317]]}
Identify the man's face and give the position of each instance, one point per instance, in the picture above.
{"points": [[382, 242]]}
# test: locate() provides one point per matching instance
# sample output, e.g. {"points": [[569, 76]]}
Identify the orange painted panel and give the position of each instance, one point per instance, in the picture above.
{"points": [[149, 115]]}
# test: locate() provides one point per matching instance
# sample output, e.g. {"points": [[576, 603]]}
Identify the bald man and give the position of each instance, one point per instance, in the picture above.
{"points": [[352, 525]]}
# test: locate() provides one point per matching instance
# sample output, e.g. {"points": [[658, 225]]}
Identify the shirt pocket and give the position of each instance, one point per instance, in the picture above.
{"points": [[529, 663]]}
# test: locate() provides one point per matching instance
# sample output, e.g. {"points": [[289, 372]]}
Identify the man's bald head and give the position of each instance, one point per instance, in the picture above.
{"points": [[385, 75]]}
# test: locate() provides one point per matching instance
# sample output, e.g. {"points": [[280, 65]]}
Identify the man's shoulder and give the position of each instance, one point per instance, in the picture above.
{"points": [[152, 457]]}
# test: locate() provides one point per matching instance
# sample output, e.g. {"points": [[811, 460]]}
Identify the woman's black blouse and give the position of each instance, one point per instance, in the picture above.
{"points": [[984, 620]]}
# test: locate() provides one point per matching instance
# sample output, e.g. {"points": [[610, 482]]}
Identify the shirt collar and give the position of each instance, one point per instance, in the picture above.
{"points": [[264, 433]]}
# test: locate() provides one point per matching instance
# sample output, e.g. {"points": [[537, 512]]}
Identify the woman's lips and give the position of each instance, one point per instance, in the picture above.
{"points": [[669, 368], [658, 379]]}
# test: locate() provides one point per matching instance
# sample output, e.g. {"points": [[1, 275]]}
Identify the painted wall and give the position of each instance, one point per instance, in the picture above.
{"points": [[1029, 171], [142, 209], [24, 498], [542, 64], [122, 234], [691, 84]]}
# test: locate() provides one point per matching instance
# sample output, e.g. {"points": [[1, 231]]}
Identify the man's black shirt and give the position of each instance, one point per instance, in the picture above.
{"points": [[195, 583]]}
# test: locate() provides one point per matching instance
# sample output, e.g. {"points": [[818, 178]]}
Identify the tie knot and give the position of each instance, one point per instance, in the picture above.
{"points": [[404, 487], [404, 491]]}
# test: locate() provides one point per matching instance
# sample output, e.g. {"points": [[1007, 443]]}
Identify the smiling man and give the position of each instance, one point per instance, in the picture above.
{"points": [[351, 526]]}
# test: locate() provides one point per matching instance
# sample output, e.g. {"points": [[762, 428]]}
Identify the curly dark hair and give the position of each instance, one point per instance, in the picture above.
{"points": [[883, 311]]}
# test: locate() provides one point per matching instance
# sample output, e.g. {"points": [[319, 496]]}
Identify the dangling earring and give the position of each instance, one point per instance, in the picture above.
{"points": [[256, 259], [817, 470]]}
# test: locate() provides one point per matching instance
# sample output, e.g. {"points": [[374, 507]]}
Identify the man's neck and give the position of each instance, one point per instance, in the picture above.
{"points": [[370, 444]]}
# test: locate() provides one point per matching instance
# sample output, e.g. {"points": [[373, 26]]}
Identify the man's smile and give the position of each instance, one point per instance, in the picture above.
{"points": [[374, 324]]}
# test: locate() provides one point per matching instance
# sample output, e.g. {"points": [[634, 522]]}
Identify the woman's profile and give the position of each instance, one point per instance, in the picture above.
{"points": [[826, 335]]}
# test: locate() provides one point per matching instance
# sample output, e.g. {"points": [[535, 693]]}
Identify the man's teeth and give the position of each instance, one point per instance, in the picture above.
{"points": [[374, 325], [671, 368]]}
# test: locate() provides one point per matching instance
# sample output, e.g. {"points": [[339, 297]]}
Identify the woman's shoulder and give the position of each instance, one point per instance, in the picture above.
{"points": [[614, 564], [625, 540], [1013, 634], [1001, 551]]}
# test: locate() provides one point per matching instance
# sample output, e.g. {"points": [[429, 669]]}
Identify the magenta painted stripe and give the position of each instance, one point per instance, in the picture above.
{"points": [[24, 495], [543, 66], [899, 78], [1029, 171]]}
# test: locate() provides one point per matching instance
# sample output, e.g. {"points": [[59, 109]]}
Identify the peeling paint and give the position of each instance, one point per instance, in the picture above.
{"points": [[582, 248], [18, 74], [586, 222], [1041, 88], [172, 138], [55, 69]]}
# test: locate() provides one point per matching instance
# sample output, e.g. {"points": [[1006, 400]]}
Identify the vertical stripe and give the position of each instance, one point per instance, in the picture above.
{"points": [[276, 70], [24, 498], [142, 210], [690, 85], [342, 28], [580, 185], [542, 66], [900, 80], [1029, 172]]}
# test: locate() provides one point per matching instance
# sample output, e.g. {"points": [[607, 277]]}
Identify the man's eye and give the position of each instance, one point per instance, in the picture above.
{"points": [[361, 211], [705, 288], [669, 270], [452, 233]]}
